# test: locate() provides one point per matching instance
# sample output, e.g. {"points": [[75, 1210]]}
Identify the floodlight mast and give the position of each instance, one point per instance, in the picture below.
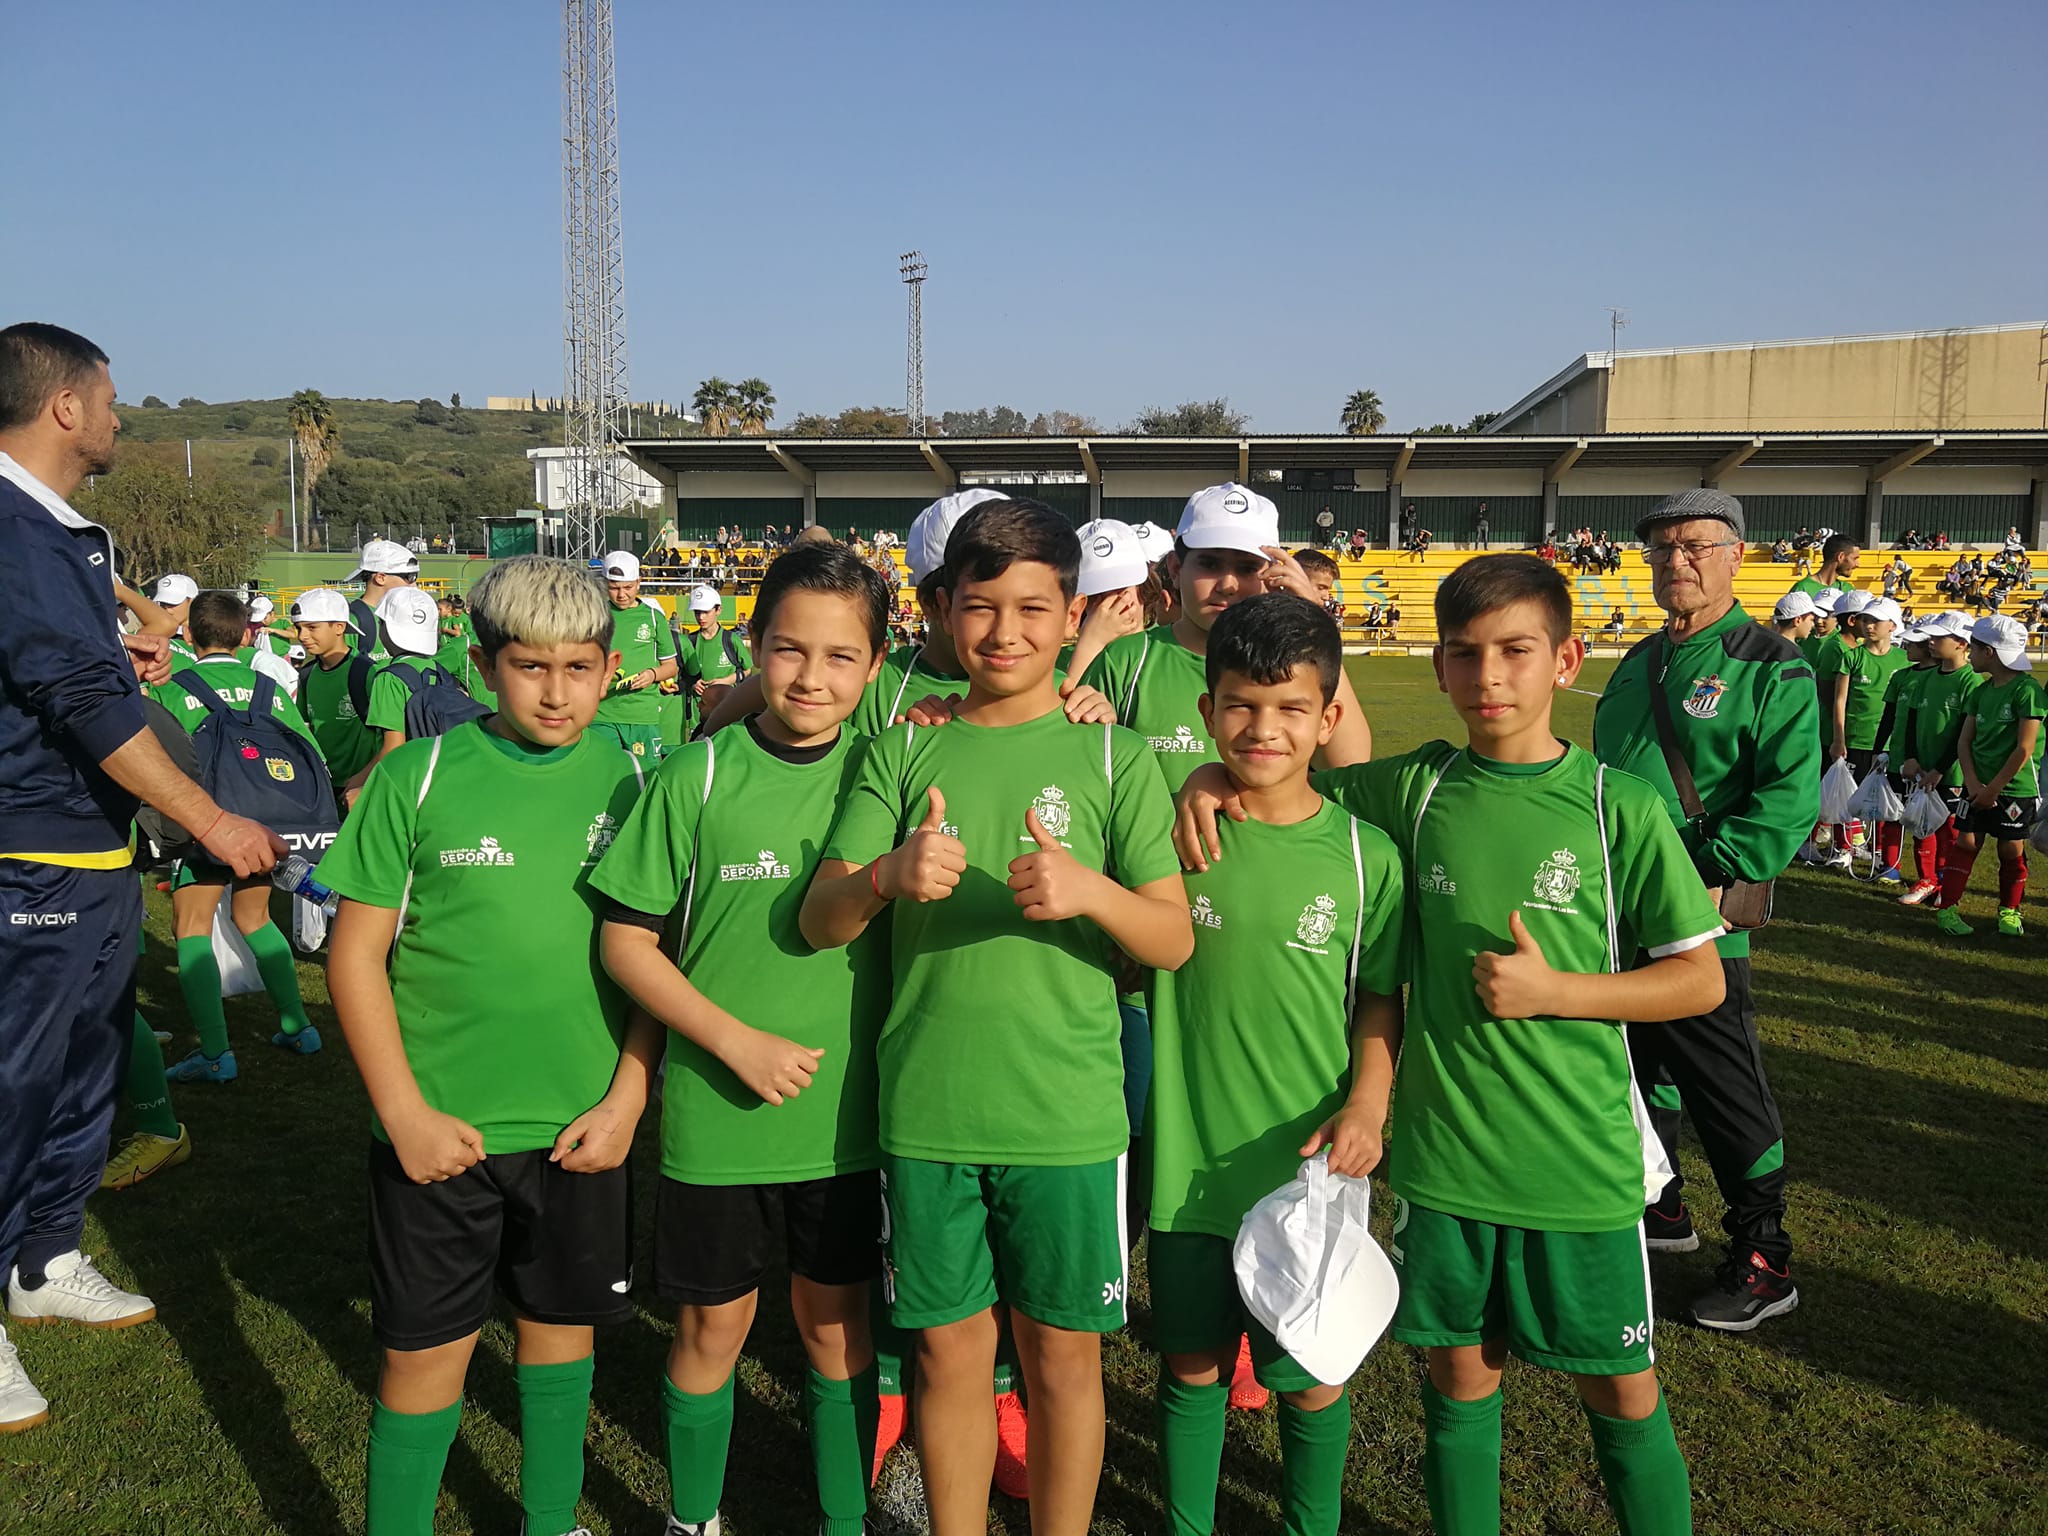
{"points": [[595, 393], [913, 270]]}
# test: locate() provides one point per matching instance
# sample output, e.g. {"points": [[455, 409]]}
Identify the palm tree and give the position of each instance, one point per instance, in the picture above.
{"points": [[716, 402], [312, 421], [756, 406], [1363, 415]]}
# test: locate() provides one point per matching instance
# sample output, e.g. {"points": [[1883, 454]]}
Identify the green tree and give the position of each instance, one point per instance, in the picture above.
{"points": [[1192, 418], [455, 400], [264, 456], [999, 421], [430, 412], [153, 402], [312, 422], [755, 406], [189, 401], [237, 421], [1363, 414], [1440, 429], [1481, 421], [716, 404], [1063, 424], [163, 521]]}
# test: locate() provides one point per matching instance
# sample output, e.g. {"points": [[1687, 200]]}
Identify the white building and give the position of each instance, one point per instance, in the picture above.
{"points": [[551, 481]]}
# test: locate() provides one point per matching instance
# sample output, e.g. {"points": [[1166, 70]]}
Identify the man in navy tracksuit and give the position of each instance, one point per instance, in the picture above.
{"points": [[75, 758]]}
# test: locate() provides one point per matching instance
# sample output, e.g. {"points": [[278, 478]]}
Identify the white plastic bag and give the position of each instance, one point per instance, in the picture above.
{"points": [[2039, 836], [1837, 789], [1875, 800], [1925, 814], [1310, 1272], [238, 971], [309, 925]]}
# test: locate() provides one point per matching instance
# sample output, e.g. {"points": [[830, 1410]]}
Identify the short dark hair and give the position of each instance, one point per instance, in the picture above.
{"points": [[1487, 583], [37, 360], [217, 621], [1265, 638], [1314, 561], [1837, 543], [825, 567], [995, 535]]}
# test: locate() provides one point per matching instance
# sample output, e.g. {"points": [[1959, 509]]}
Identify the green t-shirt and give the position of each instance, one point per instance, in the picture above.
{"points": [[1940, 705], [486, 847], [1154, 682], [392, 687], [640, 636], [1001, 1043], [1998, 709], [725, 842], [1809, 586], [181, 652], [1869, 676], [1523, 1122], [905, 678], [1251, 1038], [714, 658], [345, 739], [1828, 661], [368, 638], [1901, 697], [235, 681]]}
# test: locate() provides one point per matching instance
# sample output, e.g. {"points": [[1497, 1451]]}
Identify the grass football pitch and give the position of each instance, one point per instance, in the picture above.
{"points": [[1905, 1394]]}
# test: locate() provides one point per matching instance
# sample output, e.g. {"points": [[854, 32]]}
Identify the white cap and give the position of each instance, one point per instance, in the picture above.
{"points": [[621, 565], [2006, 639], [411, 620], [1795, 605], [323, 605], [381, 557], [1154, 540], [1883, 608], [260, 608], [1852, 601], [1954, 623], [1111, 556], [296, 652], [1825, 601], [925, 550], [1228, 516], [704, 599], [174, 589]]}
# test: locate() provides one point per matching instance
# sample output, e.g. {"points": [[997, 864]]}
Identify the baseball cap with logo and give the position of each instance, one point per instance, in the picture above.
{"points": [[2004, 638], [1228, 516], [1826, 600], [925, 549], [1111, 557], [1154, 540], [704, 599], [174, 589], [411, 620], [381, 557], [1698, 502], [1794, 605], [621, 565], [1852, 601], [323, 605], [1953, 622], [1883, 608]]}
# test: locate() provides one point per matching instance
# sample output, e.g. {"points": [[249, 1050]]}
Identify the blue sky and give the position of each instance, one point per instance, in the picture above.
{"points": [[1122, 204]]}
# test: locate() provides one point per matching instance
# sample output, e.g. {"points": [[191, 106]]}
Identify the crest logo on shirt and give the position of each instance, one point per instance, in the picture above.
{"points": [[1205, 916], [1437, 883], [280, 769], [1054, 814], [486, 851], [1557, 881], [1318, 922], [1183, 739], [599, 837], [766, 866], [1704, 702]]}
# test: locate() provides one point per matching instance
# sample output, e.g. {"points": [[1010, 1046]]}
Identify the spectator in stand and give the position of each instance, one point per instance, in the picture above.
{"points": [[1781, 552], [1326, 529], [1546, 548], [1616, 623], [1482, 528], [2014, 544], [1390, 619], [1941, 538], [1359, 542]]}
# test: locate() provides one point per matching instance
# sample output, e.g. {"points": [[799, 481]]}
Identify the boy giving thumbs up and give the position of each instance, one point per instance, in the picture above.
{"points": [[1010, 854]]}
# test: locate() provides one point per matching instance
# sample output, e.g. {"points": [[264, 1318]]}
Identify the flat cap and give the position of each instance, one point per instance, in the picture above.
{"points": [[1697, 502]]}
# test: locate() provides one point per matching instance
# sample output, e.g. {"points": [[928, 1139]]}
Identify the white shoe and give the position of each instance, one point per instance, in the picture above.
{"points": [[21, 1405], [676, 1527], [73, 1291], [1839, 859]]}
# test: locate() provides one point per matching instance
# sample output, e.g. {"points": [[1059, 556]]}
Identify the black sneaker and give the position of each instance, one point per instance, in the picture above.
{"points": [[1744, 1293], [1668, 1229]]}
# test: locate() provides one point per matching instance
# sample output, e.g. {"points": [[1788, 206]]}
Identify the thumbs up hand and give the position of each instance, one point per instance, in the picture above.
{"points": [[1520, 985], [930, 862], [1050, 883]]}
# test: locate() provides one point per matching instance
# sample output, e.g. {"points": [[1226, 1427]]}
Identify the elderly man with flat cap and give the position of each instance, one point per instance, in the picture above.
{"points": [[1720, 715]]}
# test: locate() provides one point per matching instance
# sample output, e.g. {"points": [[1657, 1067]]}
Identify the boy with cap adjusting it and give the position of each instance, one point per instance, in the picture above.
{"points": [[630, 713], [1999, 751]]}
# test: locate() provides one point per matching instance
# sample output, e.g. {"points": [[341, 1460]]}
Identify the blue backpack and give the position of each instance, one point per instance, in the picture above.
{"points": [[255, 765], [439, 702]]}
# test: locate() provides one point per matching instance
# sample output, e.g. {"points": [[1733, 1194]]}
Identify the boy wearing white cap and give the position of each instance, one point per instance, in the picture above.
{"points": [[713, 658], [409, 621], [2000, 754], [1856, 701], [334, 686], [1823, 624], [631, 711], [383, 568], [1927, 757], [1793, 617], [174, 594]]}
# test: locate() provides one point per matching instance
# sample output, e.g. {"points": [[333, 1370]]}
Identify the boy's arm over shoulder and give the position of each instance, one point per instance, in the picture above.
{"points": [[649, 860], [1111, 672], [371, 857], [1377, 792]]}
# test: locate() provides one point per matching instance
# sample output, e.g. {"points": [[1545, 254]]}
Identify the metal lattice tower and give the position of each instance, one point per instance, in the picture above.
{"points": [[913, 270], [595, 395]]}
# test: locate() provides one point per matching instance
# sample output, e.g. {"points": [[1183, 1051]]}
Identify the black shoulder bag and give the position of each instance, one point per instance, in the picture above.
{"points": [[1745, 904]]}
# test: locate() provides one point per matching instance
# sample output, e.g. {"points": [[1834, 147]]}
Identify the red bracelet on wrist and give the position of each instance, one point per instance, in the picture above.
{"points": [[875, 879], [217, 820]]}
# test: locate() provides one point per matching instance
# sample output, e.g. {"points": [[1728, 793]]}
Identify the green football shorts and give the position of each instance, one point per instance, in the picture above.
{"points": [[1573, 1301], [1049, 1241], [1196, 1308], [643, 741]]}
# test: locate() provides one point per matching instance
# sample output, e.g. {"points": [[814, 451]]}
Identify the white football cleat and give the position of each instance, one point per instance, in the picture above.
{"points": [[73, 1291]]}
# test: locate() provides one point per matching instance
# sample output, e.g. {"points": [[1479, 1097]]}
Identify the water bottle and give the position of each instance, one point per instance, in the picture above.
{"points": [[295, 875]]}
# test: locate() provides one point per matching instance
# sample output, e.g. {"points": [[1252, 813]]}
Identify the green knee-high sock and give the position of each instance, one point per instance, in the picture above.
{"points": [[893, 1347], [554, 1419], [280, 975], [1461, 1463], [842, 1447], [1312, 1450], [699, 1437], [199, 981], [1191, 1422], [1644, 1470], [408, 1453], [149, 1096]]}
